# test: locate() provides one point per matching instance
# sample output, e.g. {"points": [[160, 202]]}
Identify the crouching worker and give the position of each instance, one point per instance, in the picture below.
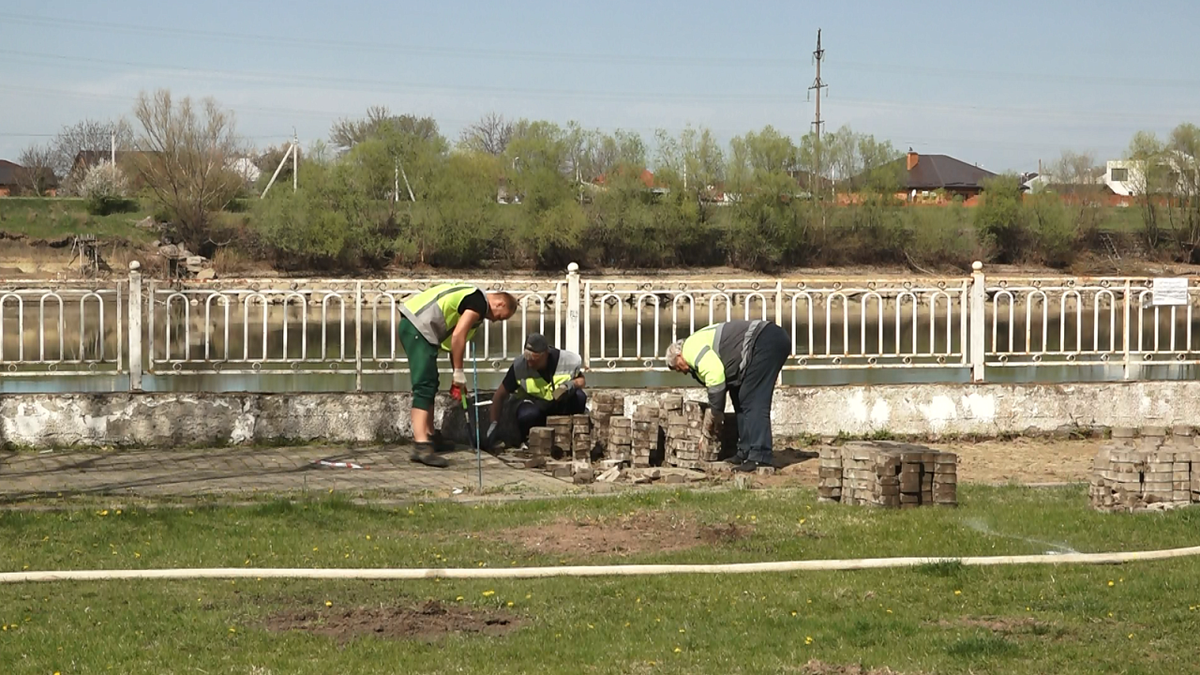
{"points": [[548, 381], [743, 358], [444, 317]]}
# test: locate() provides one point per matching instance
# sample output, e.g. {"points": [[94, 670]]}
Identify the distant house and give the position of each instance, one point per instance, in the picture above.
{"points": [[14, 179], [646, 177], [1127, 177], [85, 160], [925, 175]]}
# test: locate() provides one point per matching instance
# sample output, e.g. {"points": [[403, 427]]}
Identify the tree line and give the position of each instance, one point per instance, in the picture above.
{"points": [[391, 189]]}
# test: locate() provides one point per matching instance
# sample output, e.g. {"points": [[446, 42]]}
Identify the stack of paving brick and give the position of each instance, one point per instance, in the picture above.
{"points": [[688, 446], [892, 475], [581, 438], [620, 439], [562, 426], [541, 442], [1151, 470], [605, 406], [644, 438]]}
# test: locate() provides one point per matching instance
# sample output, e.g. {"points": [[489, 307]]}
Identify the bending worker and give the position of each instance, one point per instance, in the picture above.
{"points": [[743, 358], [443, 317], [548, 380]]}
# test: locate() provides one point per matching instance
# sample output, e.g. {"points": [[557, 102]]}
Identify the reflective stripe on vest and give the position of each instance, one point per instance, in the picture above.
{"points": [[700, 353], [532, 384], [434, 312]]}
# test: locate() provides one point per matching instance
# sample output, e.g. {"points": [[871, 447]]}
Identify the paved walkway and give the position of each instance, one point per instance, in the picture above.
{"points": [[243, 471]]}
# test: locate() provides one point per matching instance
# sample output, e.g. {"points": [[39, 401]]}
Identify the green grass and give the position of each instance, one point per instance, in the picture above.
{"points": [[943, 618], [55, 218]]}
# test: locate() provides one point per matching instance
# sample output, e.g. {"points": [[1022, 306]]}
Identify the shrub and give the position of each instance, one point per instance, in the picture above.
{"points": [[106, 190]]}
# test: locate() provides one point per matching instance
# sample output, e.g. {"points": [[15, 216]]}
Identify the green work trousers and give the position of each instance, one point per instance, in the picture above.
{"points": [[422, 364]]}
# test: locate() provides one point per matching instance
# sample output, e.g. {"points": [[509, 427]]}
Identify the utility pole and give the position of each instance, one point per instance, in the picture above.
{"points": [[818, 84], [295, 159]]}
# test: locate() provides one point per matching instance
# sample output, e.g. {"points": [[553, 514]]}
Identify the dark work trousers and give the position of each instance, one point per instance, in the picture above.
{"points": [[531, 413], [752, 399]]}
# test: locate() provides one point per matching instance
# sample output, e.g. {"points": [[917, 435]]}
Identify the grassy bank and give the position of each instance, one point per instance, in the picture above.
{"points": [[945, 618], [53, 219]]}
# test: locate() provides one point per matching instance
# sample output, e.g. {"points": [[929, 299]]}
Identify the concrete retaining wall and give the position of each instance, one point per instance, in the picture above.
{"points": [[161, 419]]}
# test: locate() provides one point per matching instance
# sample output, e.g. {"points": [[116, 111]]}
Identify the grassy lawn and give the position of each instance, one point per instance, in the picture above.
{"points": [[1139, 618], [60, 217]]}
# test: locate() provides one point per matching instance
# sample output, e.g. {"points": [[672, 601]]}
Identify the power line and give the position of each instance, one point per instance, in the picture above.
{"points": [[175, 33]]}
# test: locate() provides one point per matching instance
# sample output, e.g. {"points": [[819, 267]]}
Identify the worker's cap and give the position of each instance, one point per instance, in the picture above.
{"points": [[536, 344]]}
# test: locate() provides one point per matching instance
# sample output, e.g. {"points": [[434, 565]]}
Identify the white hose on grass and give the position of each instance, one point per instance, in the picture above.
{"points": [[594, 570]]}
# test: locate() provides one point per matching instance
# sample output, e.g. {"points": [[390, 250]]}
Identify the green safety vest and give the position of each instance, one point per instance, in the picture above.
{"points": [[533, 386], [700, 353], [434, 312]]}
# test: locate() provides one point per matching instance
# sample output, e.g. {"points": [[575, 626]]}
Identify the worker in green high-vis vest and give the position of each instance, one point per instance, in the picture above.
{"points": [[742, 359], [442, 318]]}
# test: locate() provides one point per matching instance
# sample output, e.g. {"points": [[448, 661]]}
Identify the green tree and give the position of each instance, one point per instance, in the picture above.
{"points": [[1001, 221]]}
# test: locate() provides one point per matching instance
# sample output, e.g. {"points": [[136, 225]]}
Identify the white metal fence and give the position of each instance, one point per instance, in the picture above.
{"points": [[317, 326], [61, 328]]}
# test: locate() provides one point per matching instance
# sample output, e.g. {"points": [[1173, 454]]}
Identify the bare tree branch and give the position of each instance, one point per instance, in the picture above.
{"points": [[186, 159], [37, 173], [490, 135]]}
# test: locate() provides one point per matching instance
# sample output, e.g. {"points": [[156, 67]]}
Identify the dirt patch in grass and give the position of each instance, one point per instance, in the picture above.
{"points": [[1000, 625], [426, 622], [815, 667], [622, 535]]}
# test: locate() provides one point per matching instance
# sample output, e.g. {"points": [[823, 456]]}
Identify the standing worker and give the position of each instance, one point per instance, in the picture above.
{"points": [[443, 317], [548, 380], [745, 359]]}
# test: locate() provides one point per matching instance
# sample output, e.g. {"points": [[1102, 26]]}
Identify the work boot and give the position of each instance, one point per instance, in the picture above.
{"points": [[423, 453], [440, 444], [734, 459], [750, 466]]}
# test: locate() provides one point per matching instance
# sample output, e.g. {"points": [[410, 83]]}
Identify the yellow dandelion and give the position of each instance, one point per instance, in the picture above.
{"points": [[889, 611], [328, 603], [627, 624], [677, 650], [808, 639], [509, 603], [682, 630], [1110, 615], [459, 599], [1110, 583], [314, 548], [488, 594], [528, 596], [368, 537], [1131, 636], [793, 612], [590, 626], [1028, 610], [810, 601], [802, 521], [104, 512], [958, 592], [232, 629], [118, 512]]}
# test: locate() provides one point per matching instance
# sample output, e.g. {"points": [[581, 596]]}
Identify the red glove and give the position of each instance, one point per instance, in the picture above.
{"points": [[456, 392]]}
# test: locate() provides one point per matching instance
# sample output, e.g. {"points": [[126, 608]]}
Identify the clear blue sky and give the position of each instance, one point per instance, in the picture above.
{"points": [[998, 84]]}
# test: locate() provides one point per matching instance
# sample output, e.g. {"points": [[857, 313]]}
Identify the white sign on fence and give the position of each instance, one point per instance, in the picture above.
{"points": [[1170, 292]]}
